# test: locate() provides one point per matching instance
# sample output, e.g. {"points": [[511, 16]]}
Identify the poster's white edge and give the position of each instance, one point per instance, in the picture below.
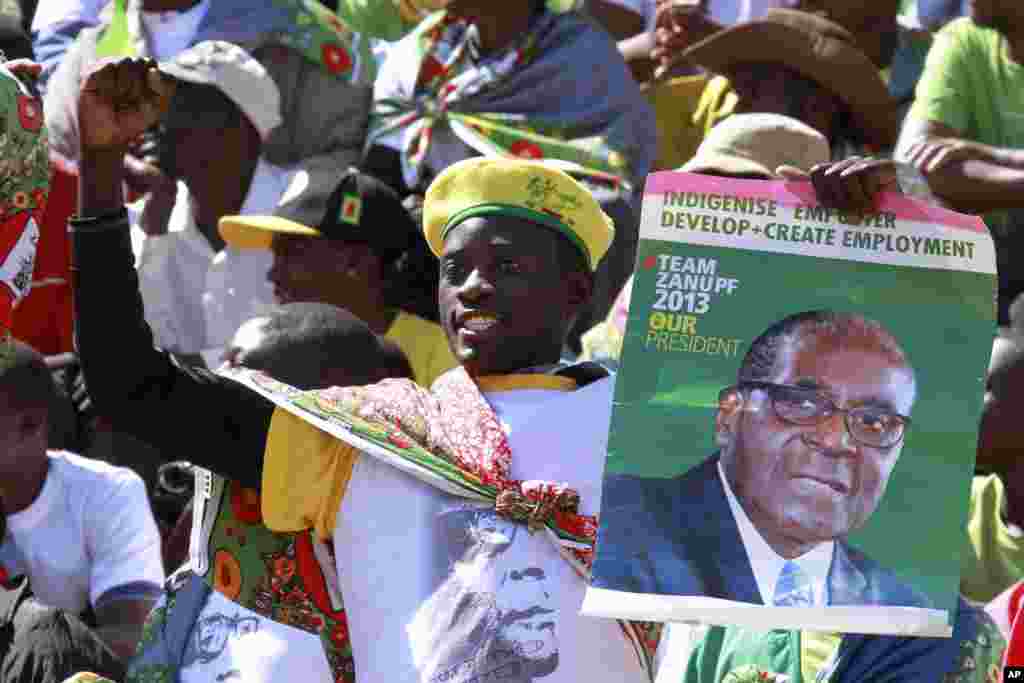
{"points": [[875, 620]]}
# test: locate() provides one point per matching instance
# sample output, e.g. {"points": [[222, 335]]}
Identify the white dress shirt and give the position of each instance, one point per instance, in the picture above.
{"points": [[195, 298], [767, 564]]}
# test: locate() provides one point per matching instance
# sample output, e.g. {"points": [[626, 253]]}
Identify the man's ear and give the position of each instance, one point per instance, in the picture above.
{"points": [[730, 405], [579, 289]]}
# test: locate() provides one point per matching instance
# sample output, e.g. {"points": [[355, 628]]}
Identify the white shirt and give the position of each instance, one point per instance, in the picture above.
{"points": [[196, 299], [168, 33], [767, 564], [90, 530], [440, 589]]}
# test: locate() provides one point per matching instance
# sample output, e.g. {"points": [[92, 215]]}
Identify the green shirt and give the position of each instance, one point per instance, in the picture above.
{"points": [[740, 655], [995, 557], [971, 85]]}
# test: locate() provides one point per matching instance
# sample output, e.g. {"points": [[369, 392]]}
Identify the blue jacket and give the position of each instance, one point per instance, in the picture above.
{"points": [[678, 537]]}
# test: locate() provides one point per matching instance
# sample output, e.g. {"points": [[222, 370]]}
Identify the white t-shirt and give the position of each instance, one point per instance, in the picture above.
{"points": [[440, 590], [196, 299], [90, 530]]}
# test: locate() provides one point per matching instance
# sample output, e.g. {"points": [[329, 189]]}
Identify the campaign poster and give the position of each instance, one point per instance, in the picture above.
{"points": [[795, 419]]}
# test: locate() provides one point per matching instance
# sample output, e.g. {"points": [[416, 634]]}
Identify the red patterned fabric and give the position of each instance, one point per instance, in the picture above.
{"points": [[44, 318], [455, 421]]}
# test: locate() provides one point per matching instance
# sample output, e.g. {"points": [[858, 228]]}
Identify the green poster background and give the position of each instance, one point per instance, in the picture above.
{"points": [[662, 423]]}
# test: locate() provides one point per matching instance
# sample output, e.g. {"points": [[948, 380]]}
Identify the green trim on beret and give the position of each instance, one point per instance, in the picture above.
{"points": [[539, 217]]}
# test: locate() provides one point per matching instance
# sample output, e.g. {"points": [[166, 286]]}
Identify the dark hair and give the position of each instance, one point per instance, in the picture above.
{"points": [[304, 342], [761, 361], [25, 378]]}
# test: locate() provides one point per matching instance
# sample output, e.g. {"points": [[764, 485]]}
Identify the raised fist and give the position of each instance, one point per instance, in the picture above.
{"points": [[119, 100]]}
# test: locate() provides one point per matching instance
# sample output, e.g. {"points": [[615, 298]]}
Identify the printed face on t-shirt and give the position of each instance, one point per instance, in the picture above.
{"points": [[527, 630], [493, 615]]}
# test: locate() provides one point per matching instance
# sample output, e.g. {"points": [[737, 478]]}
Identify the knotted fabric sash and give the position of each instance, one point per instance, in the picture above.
{"points": [[450, 438], [529, 100]]}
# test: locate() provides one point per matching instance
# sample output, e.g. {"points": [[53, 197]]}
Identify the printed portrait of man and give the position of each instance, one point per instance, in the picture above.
{"points": [[807, 439], [525, 642], [494, 617]]}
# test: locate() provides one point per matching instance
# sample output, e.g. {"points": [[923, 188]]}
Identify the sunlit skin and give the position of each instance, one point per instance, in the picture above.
{"points": [[805, 485], [506, 303]]}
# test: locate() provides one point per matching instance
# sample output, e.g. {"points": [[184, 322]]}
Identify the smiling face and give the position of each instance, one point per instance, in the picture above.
{"points": [[506, 296], [805, 485]]}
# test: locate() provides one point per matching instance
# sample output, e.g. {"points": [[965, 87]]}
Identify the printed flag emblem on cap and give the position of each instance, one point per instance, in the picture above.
{"points": [[351, 209]]}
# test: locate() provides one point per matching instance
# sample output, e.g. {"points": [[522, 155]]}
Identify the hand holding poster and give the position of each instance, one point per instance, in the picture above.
{"points": [[795, 420]]}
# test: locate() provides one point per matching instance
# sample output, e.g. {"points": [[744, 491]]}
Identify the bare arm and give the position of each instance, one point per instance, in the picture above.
{"points": [[119, 624], [970, 176]]}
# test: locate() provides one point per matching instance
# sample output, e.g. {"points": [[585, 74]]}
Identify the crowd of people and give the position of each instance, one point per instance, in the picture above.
{"points": [[432, 208]]}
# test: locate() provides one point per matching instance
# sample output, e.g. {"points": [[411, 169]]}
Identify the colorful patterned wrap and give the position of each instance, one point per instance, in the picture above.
{"points": [[537, 98], [24, 187]]}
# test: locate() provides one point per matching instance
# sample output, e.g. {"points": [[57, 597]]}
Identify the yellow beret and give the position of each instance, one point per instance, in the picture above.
{"points": [[531, 190]]}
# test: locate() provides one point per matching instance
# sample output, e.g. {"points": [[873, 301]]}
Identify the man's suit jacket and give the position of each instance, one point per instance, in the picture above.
{"points": [[678, 537]]}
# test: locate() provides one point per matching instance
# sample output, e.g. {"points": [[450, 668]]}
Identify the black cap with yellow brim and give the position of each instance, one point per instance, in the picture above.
{"points": [[360, 209]]}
